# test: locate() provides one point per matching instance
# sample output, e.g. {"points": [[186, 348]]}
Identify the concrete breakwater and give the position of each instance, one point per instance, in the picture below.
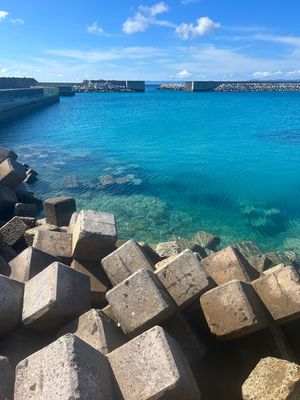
{"points": [[185, 316], [109, 86], [242, 86]]}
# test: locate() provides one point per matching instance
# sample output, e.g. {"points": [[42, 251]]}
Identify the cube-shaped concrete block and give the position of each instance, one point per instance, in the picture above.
{"points": [[140, 302], [11, 300], [30, 233], [8, 199], [273, 379], [280, 293], [14, 229], [72, 222], [57, 244], [7, 379], [226, 265], [7, 153], [124, 261], [152, 366], [54, 297], [66, 369], [29, 263], [184, 278], [25, 210], [207, 240], [59, 210], [4, 267], [94, 234], [96, 329], [11, 173], [233, 310]]}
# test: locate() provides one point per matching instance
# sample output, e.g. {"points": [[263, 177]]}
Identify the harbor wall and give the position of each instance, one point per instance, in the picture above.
{"points": [[137, 86]]}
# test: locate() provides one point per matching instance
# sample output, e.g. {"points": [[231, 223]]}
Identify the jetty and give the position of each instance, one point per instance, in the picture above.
{"points": [[242, 86], [109, 86]]}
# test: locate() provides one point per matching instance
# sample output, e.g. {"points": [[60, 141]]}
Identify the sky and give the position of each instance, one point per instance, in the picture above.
{"points": [[73, 40]]}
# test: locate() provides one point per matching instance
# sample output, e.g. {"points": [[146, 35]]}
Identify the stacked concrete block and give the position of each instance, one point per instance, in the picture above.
{"points": [[7, 252], [94, 234], [29, 263], [96, 329], [13, 230], [54, 297], [207, 240], [25, 210], [226, 265], [4, 267], [140, 302], [72, 222], [184, 277], [273, 379], [11, 173], [152, 366], [168, 249], [6, 379], [8, 199], [280, 293], [67, 369], [30, 233], [7, 153], [233, 310], [59, 210], [263, 262], [124, 261], [57, 244], [11, 300]]}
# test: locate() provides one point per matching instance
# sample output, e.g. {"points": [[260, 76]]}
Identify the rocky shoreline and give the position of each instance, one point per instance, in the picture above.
{"points": [[85, 315]]}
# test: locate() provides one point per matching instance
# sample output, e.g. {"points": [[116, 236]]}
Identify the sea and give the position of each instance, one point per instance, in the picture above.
{"points": [[171, 163]]}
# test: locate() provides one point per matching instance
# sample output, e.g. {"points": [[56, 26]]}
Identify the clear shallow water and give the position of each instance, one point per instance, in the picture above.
{"points": [[227, 163]]}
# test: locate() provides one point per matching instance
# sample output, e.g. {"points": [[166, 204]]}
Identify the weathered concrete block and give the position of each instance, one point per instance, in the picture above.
{"points": [[11, 173], [99, 281], [263, 262], [168, 249], [8, 199], [140, 301], [96, 329], [59, 210], [4, 267], [94, 233], [14, 229], [184, 277], [162, 371], [150, 252], [29, 263], [280, 293], [233, 310], [124, 261], [207, 240], [57, 244], [11, 301], [30, 233], [54, 297], [226, 265], [72, 222], [277, 268], [25, 210], [7, 153], [7, 252], [273, 379], [7, 379], [67, 369]]}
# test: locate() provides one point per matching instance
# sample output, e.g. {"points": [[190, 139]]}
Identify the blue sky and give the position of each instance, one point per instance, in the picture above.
{"points": [[64, 40]]}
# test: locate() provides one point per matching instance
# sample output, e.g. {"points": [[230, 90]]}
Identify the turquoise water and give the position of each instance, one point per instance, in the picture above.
{"points": [[227, 163]]}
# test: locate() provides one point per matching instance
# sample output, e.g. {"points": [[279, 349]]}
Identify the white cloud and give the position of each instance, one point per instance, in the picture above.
{"points": [[95, 29], [146, 16], [3, 70], [3, 15], [202, 27], [185, 2], [267, 74], [17, 21], [289, 40], [183, 74]]}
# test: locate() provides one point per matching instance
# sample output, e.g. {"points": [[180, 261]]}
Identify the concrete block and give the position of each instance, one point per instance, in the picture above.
{"points": [[273, 379], [167, 249], [7, 379], [11, 173], [7, 153], [207, 240], [14, 229], [7, 252], [8, 199], [124, 261], [184, 278], [226, 265], [280, 293], [30, 233], [94, 234], [25, 210], [54, 297], [152, 366], [140, 301], [99, 281], [4, 267], [233, 310], [72, 222], [96, 329], [107, 310], [150, 252], [59, 210], [277, 268], [11, 301], [67, 369], [57, 244], [263, 262], [29, 263]]}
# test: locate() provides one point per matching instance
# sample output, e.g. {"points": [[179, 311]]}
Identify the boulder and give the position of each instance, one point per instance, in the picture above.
{"points": [[66, 369], [140, 302], [273, 379], [168, 249], [94, 235], [11, 173], [233, 310], [11, 301], [59, 210], [152, 366], [124, 261], [7, 379], [54, 297], [13, 230], [25, 210], [57, 244]]}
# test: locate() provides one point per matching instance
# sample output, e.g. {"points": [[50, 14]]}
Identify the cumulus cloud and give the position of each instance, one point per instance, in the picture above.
{"points": [[183, 74], [3, 15], [202, 27], [146, 16], [95, 29]]}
